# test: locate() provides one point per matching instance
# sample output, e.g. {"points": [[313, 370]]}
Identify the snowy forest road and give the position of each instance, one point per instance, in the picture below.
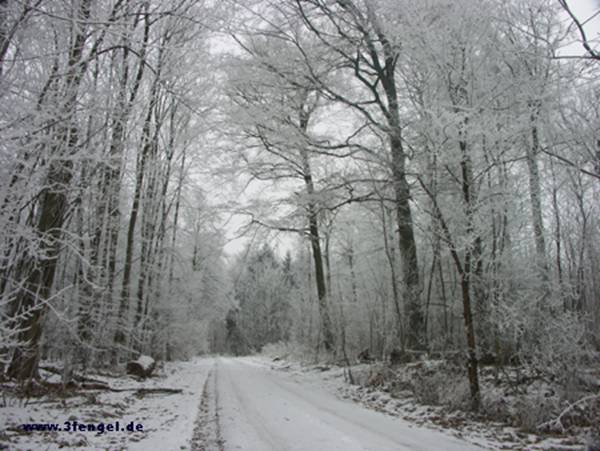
{"points": [[258, 408]]}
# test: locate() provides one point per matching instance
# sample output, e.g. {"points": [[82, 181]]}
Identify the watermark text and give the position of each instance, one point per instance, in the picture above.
{"points": [[76, 426]]}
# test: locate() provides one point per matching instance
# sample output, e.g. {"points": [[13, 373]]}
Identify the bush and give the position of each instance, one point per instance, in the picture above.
{"points": [[427, 388], [495, 406], [548, 344], [532, 410], [455, 393]]}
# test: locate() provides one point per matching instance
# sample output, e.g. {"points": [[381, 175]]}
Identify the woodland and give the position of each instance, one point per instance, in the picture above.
{"points": [[333, 180]]}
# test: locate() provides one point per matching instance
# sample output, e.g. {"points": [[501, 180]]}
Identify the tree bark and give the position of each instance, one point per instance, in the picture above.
{"points": [[535, 197], [30, 306], [466, 277], [390, 253], [315, 242]]}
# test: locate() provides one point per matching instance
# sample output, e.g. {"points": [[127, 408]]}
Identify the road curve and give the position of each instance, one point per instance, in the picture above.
{"points": [[264, 410]]}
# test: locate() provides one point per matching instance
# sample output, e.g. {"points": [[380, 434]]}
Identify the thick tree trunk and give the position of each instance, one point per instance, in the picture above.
{"points": [[328, 341], [30, 306], [31, 301], [406, 236], [471, 251], [408, 248], [315, 243]]}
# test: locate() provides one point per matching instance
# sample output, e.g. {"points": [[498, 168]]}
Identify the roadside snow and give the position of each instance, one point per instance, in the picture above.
{"points": [[167, 419]]}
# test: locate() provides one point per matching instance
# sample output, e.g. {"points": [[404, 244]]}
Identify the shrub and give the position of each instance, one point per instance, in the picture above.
{"points": [[455, 393], [495, 406], [548, 344], [532, 410], [427, 387]]}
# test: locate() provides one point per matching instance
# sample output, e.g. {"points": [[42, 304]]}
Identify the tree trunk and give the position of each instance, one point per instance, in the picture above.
{"points": [[408, 248], [31, 301], [140, 171], [315, 242], [388, 246], [350, 255], [406, 236], [536, 198], [471, 250], [557, 230], [30, 305]]}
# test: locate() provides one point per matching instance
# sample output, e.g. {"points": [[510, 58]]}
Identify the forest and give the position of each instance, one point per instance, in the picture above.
{"points": [[341, 182]]}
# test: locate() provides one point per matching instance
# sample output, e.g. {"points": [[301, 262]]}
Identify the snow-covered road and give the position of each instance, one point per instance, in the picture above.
{"points": [[262, 409]]}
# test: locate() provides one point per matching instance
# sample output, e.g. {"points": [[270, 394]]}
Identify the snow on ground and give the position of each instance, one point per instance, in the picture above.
{"points": [[167, 419], [262, 410], [254, 404]]}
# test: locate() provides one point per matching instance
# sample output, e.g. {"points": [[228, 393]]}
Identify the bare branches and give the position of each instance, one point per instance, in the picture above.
{"points": [[569, 163], [593, 54], [556, 423]]}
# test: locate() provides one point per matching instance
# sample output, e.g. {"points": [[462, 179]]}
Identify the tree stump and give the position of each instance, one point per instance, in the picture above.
{"points": [[142, 367]]}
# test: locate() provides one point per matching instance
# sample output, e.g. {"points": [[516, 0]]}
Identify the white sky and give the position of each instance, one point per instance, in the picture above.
{"points": [[584, 9]]}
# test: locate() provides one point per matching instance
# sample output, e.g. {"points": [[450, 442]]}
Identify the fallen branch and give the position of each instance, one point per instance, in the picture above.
{"points": [[137, 391], [147, 391], [76, 377], [557, 422], [105, 387]]}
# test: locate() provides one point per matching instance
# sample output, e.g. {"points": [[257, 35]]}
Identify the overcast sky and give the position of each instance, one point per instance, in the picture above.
{"points": [[584, 9]]}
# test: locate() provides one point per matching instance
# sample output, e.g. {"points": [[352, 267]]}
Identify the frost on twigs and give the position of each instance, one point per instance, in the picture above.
{"points": [[585, 411]]}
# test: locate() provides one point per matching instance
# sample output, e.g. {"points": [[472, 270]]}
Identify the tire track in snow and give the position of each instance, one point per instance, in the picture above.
{"points": [[252, 419], [207, 431]]}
